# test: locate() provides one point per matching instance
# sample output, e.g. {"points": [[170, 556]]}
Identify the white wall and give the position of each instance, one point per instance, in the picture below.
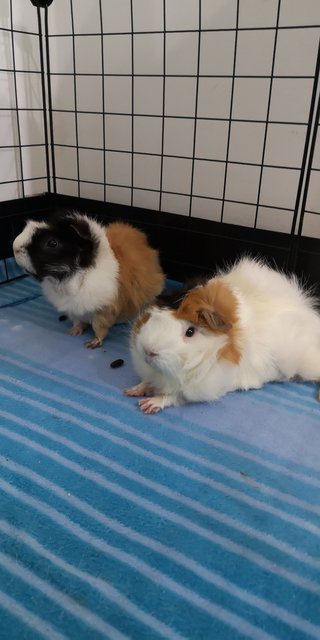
{"points": [[28, 99], [183, 157]]}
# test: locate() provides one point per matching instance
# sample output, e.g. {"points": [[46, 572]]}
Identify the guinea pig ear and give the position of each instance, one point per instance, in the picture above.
{"points": [[213, 321], [81, 228]]}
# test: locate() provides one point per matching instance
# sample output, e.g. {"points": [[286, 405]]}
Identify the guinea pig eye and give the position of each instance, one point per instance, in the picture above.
{"points": [[190, 331], [52, 243]]}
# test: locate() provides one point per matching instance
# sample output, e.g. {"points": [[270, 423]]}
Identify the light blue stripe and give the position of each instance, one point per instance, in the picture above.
{"points": [[292, 504], [18, 302], [104, 435], [24, 315], [107, 392], [205, 606], [232, 480], [297, 397], [13, 269], [168, 498], [292, 407], [113, 397], [273, 526], [40, 314], [96, 583], [160, 513], [9, 269], [20, 288], [161, 489], [15, 568], [36, 624]]}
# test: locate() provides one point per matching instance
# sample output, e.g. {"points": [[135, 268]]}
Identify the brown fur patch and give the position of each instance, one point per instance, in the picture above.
{"points": [[214, 307], [143, 318], [140, 276]]}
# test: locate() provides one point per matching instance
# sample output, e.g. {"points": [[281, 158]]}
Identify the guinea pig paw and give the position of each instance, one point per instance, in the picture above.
{"points": [[78, 329], [93, 344], [151, 405], [142, 389]]}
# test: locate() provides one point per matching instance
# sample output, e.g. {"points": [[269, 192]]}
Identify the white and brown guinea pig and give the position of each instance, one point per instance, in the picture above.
{"points": [[95, 274], [239, 330]]}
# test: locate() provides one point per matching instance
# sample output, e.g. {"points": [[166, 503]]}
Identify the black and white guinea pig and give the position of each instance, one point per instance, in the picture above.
{"points": [[96, 274], [239, 330]]}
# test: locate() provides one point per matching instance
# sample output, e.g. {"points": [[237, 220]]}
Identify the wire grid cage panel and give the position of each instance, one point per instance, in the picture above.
{"points": [[151, 111], [22, 142], [23, 166], [186, 106]]}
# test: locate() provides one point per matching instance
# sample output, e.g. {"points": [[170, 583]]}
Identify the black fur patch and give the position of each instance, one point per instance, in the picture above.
{"points": [[171, 298], [75, 247]]}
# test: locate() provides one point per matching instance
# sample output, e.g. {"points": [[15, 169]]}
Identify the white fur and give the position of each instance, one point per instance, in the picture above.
{"points": [[85, 291], [90, 289], [22, 241], [280, 339]]}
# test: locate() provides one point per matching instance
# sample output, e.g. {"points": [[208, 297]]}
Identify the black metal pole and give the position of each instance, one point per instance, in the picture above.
{"points": [[16, 100], [305, 172], [44, 99], [46, 32]]}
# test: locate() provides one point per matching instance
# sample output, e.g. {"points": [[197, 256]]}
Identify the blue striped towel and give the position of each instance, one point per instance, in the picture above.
{"points": [[202, 522]]}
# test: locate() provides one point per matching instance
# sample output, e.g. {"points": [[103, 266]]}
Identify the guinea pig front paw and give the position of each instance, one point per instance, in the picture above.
{"points": [[156, 403], [78, 329], [151, 405], [142, 389], [93, 344]]}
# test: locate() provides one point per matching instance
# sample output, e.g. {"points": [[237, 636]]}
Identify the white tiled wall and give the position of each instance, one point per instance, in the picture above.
{"points": [[224, 144], [22, 171]]}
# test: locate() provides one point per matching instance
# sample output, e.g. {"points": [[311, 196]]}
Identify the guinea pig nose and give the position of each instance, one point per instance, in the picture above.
{"points": [[150, 354]]}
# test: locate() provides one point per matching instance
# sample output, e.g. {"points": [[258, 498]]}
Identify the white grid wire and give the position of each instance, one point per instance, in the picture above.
{"points": [[187, 106]]}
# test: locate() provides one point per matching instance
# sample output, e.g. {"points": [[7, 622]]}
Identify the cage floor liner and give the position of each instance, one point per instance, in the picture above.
{"points": [[199, 522]]}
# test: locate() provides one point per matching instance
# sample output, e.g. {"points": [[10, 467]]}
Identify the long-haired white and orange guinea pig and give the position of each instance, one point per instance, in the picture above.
{"points": [[245, 327], [95, 274]]}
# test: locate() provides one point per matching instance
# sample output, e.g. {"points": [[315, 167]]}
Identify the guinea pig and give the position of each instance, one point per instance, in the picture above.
{"points": [[97, 275], [239, 330]]}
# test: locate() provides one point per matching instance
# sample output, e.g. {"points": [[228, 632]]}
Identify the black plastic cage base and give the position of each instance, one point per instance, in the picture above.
{"points": [[188, 246]]}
